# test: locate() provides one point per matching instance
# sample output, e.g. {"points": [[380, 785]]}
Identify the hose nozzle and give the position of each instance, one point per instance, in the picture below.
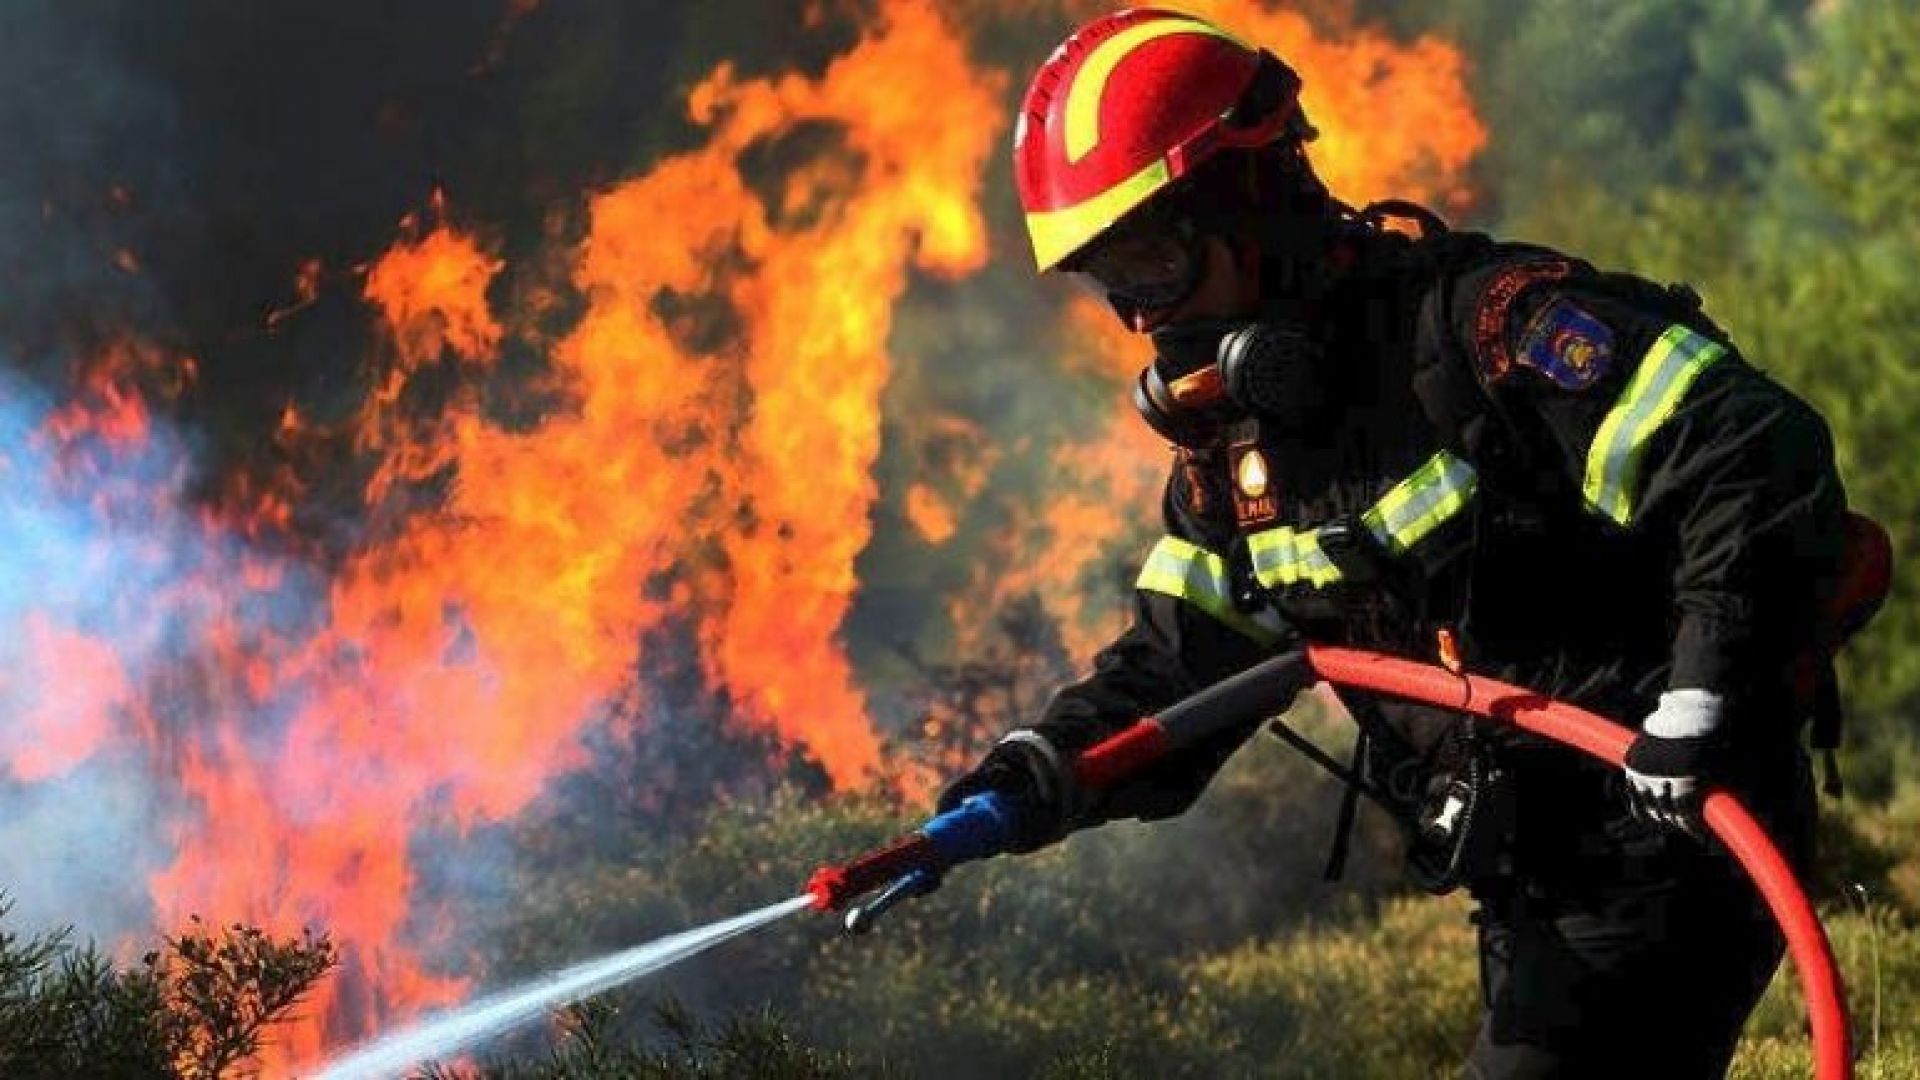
{"points": [[980, 827], [862, 917]]}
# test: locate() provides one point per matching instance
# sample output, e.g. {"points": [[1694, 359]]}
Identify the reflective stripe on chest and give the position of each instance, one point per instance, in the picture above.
{"points": [[1410, 511]]}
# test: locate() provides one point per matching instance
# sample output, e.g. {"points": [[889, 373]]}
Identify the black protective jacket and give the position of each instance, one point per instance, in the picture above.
{"points": [[1574, 472]]}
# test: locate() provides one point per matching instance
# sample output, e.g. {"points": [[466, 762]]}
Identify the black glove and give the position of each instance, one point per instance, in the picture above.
{"points": [[1671, 764], [1025, 768]]}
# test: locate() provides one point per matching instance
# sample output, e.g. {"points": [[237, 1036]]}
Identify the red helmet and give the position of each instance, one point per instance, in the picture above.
{"points": [[1130, 103]]}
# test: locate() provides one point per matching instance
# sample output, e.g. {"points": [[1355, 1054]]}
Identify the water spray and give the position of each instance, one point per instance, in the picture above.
{"points": [[461, 1029]]}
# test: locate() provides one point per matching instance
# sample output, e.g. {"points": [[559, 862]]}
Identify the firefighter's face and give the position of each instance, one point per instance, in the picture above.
{"points": [[1157, 270], [1206, 278], [1228, 288]]}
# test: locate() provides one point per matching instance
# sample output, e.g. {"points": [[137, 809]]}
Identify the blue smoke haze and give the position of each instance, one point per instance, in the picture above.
{"points": [[74, 849]]}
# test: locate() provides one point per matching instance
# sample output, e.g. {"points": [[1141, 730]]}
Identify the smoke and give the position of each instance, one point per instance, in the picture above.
{"points": [[171, 168], [103, 571], [75, 828], [78, 847]]}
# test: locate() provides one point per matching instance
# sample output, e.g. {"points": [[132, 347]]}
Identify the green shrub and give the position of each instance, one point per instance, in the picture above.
{"points": [[195, 1009], [1395, 998]]}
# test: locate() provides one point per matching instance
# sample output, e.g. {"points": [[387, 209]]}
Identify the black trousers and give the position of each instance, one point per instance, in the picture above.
{"points": [[1653, 983], [1640, 956]]}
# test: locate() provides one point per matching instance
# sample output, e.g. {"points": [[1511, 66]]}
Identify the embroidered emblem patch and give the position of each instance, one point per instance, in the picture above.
{"points": [[1496, 302], [1251, 474], [1567, 345], [1253, 501]]}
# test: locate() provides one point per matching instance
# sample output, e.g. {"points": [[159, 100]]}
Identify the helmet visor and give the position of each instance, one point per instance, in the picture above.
{"points": [[1145, 267]]}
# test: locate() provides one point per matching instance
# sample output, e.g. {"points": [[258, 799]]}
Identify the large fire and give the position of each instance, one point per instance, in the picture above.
{"points": [[709, 461]]}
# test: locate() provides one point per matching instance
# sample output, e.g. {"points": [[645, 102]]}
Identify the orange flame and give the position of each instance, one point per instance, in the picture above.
{"points": [[464, 654], [931, 515], [1394, 119], [923, 122], [433, 295], [111, 406]]}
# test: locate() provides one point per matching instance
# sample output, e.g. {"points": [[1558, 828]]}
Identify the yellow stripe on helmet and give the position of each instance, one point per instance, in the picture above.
{"points": [[1059, 233], [1090, 84]]}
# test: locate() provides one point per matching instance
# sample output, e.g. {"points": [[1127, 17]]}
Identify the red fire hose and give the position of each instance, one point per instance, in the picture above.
{"points": [[1526, 709], [979, 826]]}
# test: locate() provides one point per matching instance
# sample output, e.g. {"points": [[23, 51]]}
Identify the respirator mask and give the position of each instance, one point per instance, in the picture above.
{"points": [[1209, 374]]}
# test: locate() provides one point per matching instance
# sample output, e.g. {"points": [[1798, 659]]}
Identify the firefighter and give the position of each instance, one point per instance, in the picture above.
{"points": [[1397, 437]]}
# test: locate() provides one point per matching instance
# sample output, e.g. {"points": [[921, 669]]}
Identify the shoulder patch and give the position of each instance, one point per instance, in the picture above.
{"points": [[1568, 345], [1490, 338]]}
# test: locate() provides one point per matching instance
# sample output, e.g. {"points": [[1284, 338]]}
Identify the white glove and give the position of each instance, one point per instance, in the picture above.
{"points": [[1669, 764]]}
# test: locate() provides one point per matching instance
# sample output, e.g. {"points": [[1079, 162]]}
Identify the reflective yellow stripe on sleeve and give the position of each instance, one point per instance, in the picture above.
{"points": [[1421, 503], [1197, 576], [1651, 396], [1410, 511], [1288, 556]]}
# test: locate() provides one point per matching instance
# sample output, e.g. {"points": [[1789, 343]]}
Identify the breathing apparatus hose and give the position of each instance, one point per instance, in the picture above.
{"points": [[1600, 738]]}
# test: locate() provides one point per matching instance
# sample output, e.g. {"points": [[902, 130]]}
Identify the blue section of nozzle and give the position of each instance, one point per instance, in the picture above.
{"points": [[982, 826]]}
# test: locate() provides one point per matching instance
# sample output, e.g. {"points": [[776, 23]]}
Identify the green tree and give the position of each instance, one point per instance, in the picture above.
{"points": [[1620, 97]]}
